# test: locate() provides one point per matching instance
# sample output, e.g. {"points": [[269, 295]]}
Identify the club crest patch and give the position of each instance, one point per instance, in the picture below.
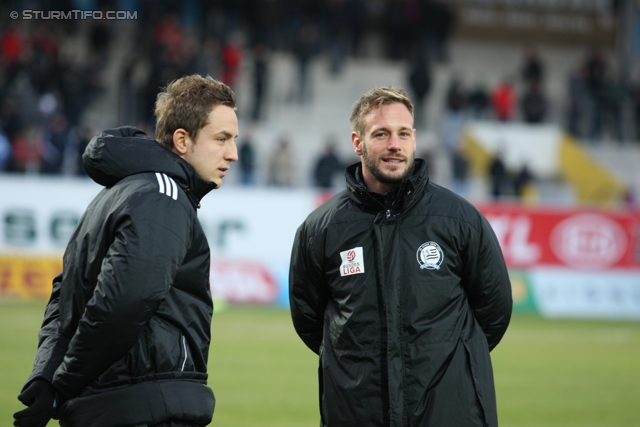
{"points": [[352, 262], [430, 256]]}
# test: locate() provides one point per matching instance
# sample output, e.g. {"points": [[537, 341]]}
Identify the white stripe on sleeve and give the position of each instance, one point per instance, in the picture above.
{"points": [[174, 189], [168, 185], [160, 182]]}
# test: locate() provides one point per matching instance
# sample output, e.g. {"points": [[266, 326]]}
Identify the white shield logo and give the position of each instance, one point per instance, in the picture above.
{"points": [[430, 256]]}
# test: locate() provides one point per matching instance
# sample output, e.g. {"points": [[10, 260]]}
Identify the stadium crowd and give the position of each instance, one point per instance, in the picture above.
{"points": [[47, 84]]}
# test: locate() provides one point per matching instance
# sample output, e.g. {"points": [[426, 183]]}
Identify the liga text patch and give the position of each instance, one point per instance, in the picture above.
{"points": [[352, 262]]}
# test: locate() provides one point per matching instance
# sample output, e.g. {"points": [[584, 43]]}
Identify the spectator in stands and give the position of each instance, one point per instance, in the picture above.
{"points": [[395, 29], [498, 175], [327, 166], [577, 101], [478, 101], [28, 148], [595, 75], [12, 120], [357, 12], [503, 99], [12, 45], [522, 180], [440, 23], [231, 61], [420, 83], [460, 169], [456, 102], [533, 103], [615, 97], [337, 31], [260, 79], [168, 34], [281, 164], [44, 70], [58, 140], [305, 48], [247, 159], [209, 58], [100, 38], [532, 68]]}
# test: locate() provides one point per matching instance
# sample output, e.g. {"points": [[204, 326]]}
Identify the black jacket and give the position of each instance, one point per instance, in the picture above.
{"points": [[126, 332], [402, 297]]}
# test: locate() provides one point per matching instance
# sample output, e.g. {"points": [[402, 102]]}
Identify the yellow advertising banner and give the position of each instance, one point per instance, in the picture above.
{"points": [[28, 277]]}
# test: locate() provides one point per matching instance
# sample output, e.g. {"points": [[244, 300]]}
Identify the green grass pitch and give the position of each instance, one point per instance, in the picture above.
{"points": [[548, 372]]}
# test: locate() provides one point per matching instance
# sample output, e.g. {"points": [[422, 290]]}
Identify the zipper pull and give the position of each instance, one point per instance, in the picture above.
{"points": [[388, 213]]}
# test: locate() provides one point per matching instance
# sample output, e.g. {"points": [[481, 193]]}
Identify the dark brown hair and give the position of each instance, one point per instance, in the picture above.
{"points": [[186, 103]]}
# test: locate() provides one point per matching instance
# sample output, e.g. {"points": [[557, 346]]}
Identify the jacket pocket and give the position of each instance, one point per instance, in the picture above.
{"points": [[168, 348], [162, 349]]}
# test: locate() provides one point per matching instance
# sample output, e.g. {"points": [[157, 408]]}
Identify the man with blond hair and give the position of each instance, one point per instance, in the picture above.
{"points": [[126, 333], [400, 286]]}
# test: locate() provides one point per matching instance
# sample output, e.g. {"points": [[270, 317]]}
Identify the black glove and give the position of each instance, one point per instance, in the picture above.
{"points": [[39, 397]]}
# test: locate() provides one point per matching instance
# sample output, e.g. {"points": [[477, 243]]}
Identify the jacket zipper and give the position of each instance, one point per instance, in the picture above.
{"points": [[184, 346], [382, 313]]}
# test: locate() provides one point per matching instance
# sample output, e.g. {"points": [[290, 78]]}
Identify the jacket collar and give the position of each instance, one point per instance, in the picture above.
{"points": [[399, 199]]}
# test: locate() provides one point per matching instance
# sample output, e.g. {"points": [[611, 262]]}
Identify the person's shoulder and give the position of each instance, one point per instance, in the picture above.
{"points": [[445, 202], [154, 189], [329, 212]]}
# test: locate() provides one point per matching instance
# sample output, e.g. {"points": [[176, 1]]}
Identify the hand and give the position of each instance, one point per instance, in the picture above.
{"points": [[39, 397]]}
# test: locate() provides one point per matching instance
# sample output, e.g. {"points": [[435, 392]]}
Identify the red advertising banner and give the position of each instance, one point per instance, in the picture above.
{"points": [[579, 238], [243, 282]]}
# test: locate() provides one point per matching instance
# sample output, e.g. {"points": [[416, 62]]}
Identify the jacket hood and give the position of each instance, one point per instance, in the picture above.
{"points": [[118, 153], [399, 198]]}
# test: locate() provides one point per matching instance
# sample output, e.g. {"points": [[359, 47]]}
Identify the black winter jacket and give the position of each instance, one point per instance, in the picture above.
{"points": [[402, 297], [126, 332]]}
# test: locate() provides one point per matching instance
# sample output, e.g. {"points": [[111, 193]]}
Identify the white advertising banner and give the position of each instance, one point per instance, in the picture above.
{"points": [[250, 230], [562, 292]]}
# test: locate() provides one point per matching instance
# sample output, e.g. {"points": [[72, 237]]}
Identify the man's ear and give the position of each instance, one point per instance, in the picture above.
{"points": [[357, 143], [180, 145]]}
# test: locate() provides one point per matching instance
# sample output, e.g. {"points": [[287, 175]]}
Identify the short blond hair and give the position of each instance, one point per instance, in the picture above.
{"points": [[186, 103], [376, 98]]}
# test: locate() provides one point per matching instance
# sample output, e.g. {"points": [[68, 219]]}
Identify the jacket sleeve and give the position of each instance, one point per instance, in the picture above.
{"points": [[52, 345], [308, 295], [487, 283], [151, 237]]}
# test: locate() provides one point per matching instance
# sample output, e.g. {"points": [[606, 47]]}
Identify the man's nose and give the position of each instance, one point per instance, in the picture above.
{"points": [[232, 153], [394, 143]]}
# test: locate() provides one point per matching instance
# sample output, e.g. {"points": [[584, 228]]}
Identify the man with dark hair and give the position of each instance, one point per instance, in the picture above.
{"points": [[400, 286], [125, 337]]}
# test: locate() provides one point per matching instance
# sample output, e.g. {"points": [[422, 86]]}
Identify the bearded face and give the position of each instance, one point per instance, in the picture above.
{"points": [[387, 147]]}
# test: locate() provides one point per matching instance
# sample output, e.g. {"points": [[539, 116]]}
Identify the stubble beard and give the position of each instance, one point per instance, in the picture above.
{"points": [[370, 162]]}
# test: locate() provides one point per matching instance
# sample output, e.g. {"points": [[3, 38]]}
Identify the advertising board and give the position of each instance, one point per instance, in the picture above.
{"points": [[563, 262]]}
